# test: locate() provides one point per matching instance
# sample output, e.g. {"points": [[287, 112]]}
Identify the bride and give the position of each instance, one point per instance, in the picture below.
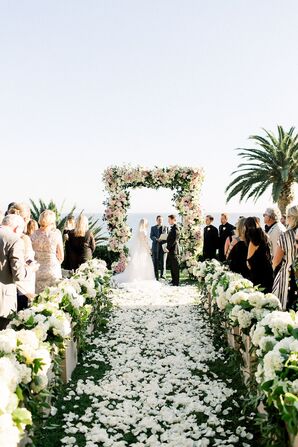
{"points": [[140, 266]]}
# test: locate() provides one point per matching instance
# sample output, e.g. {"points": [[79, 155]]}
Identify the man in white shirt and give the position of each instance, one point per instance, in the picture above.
{"points": [[273, 227]]}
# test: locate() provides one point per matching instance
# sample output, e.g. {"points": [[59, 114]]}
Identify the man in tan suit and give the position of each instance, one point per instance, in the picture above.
{"points": [[12, 264]]}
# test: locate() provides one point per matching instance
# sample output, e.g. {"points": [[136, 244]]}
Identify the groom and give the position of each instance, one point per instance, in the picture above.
{"points": [[173, 250], [157, 251]]}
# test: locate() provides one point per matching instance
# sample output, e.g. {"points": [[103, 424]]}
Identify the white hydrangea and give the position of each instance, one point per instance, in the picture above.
{"points": [[27, 337], [9, 373], [8, 341], [240, 317], [9, 433], [273, 361], [276, 323], [8, 399], [60, 324]]}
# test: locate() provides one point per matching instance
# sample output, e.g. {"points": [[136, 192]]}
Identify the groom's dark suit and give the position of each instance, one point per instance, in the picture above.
{"points": [[157, 251], [174, 250]]}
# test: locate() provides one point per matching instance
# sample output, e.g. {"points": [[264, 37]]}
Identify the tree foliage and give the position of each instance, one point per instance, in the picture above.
{"points": [[272, 164]]}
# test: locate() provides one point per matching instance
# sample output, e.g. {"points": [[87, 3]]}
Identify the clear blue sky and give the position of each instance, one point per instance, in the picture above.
{"points": [[87, 84]]}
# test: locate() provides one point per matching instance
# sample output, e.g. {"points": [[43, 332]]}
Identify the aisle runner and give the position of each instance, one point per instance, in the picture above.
{"points": [[159, 390]]}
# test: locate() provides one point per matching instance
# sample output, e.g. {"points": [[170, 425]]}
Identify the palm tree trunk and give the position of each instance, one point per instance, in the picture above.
{"points": [[286, 197]]}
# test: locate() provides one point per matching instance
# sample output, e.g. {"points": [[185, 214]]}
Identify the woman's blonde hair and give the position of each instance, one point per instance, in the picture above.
{"points": [[82, 225], [47, 218], [32, 226], [292, 213], [70, 222], [240, 227]]}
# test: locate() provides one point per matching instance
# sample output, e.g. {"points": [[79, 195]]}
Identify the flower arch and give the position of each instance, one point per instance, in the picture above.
{"points": [[185, 182]]}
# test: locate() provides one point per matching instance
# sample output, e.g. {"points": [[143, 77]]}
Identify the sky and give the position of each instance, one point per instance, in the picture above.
{"points": [[89, 84]]}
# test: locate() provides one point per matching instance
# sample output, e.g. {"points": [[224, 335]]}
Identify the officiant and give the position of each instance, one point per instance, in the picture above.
{"points": [[158, 235]]}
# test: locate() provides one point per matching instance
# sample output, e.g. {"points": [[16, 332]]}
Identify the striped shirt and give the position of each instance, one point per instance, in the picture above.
{"points": [[281, 282]]}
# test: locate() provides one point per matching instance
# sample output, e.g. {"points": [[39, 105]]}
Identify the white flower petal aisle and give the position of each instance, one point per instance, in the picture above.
{"points": [[159, 389]]}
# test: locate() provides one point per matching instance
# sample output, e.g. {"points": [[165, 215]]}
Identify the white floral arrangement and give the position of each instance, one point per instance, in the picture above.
{"points": [[33, 337], [24, 365], [185, 181], [205, 271], [95, 268], [45, 320], [273, 332], [249, 306], [273, 328], [278, 379], [236, 284]]}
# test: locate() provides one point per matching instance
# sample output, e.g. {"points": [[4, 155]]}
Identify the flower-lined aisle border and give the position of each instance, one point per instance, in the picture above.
{"points": [[185, 182], [273, 335], [33, 347]]}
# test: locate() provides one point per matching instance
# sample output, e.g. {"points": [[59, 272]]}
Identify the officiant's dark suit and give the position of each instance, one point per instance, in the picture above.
{"points": [[157, 251], [210, 242], [173, 253]]}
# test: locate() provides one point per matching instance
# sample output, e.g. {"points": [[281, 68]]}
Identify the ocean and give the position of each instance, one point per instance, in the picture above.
{"points": [[133, 219]]}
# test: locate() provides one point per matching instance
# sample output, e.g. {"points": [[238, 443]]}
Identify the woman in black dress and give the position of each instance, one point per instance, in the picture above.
{"points": [[68, 227], [238, 249], [80, 244], [259, 258]]}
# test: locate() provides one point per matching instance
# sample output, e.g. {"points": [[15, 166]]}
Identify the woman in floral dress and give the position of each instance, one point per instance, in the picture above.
{"points": [[48, 246]]}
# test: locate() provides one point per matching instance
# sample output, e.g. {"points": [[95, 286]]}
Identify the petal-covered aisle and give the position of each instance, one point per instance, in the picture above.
{"points": [[160, 387]]}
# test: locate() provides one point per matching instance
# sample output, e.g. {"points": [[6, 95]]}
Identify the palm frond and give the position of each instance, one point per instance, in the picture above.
{"points": [[274, 162], [99, 235]]}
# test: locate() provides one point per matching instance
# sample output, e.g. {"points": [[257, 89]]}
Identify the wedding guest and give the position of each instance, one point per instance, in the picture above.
{"points": [[9, 206], [284, 286], [68, 227], [226, 230], [258, 256], [251, 223], [157, 251], [48, 246], [238, 249], [273, 227], [173, 249], [32, 226], [25, 288], [210, 244], [12, 265], [81, 243], [283, 220]]}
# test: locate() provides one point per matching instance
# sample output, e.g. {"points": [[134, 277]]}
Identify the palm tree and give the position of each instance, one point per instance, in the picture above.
{"points": [[273, 164], [40, 206]]}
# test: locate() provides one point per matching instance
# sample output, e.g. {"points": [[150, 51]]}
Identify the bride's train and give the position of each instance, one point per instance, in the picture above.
{"points": [[139, 273]]}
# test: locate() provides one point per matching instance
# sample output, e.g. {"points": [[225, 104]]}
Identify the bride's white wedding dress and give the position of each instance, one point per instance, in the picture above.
{"points": [[139, 272]]}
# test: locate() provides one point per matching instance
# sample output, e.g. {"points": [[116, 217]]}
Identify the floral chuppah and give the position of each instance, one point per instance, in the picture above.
{"points": [[186, 184]]}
